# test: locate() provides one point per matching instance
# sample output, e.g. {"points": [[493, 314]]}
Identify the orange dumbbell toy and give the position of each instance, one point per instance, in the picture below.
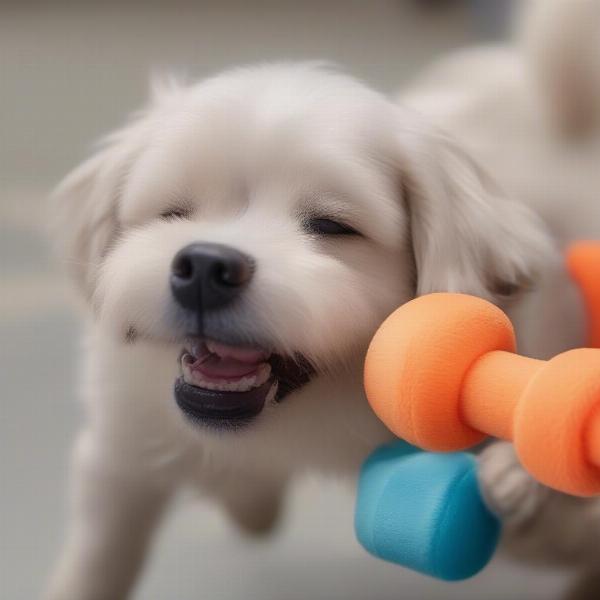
{"points": [[583, 261], [442, 374]]}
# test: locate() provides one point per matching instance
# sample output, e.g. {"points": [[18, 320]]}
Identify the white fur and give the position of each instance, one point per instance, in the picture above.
{"points": [[561, 44], [529, 112], [250, 152]]}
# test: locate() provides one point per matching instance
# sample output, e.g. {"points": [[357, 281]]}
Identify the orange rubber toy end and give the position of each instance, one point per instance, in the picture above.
{"points": [[583, 262]]}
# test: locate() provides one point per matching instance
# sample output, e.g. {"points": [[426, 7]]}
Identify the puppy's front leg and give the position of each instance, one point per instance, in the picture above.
{"points": [[540, 524], [114, 511]]}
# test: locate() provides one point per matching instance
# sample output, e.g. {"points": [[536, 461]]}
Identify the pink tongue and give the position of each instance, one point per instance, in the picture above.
{"points": [[227, 362], [244, 355], [216, 367]]}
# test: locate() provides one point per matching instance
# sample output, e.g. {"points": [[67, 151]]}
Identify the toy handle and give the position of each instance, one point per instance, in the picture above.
{"points": [[504, 406]]}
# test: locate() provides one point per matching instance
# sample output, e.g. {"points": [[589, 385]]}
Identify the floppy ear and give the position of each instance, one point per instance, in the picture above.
{"points": [[466, 235], [85, 205]]}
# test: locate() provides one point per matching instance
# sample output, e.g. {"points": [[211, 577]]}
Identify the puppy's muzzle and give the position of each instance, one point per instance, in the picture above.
{"points": [[225, 378], [208, 276]]}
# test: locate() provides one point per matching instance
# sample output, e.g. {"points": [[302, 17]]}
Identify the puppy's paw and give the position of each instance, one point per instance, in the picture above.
{"points": [[541, 526], [508, 490]]}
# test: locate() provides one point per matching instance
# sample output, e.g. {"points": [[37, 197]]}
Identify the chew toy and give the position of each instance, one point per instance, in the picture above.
{"points": [[441, 373], [583, 262], [424, 511], [412, 506]]}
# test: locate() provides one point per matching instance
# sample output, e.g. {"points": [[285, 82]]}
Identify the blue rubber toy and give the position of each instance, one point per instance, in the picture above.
{"points": [[424, 511]]}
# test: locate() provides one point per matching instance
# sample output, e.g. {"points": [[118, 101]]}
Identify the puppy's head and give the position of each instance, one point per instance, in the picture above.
{"points": [[265, 222]]}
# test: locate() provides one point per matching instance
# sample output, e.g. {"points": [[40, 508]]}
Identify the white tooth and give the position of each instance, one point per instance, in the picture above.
{"points": [[186, 371], [272, 391]]}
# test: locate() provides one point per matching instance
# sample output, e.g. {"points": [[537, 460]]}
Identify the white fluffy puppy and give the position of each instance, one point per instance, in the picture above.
{"points": [[530, 112], [239, 242]]}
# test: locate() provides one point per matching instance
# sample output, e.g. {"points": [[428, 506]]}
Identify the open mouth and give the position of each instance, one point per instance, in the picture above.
{"points": [[226, 386]]}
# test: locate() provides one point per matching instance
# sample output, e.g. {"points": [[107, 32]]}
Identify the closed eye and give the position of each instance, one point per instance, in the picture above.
{"points": [[176, 212], [323, 226]]}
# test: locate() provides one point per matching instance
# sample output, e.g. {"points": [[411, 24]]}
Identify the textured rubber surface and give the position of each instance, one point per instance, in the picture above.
{"points": [[441, 373], [556, 423], [583, 262], [417, 362], [424, 511]]}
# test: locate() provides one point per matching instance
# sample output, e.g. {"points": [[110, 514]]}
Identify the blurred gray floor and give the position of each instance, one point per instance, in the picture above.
{"points": [[66, 76]]}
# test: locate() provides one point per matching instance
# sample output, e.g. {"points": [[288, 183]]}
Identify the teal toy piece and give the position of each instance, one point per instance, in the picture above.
{"points": [[424, 511]]}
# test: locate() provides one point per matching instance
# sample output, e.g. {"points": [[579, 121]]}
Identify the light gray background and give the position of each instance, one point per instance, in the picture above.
{"points": [[67, 75]]}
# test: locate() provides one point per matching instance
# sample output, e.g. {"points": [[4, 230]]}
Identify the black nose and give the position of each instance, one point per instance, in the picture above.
{"points": [[205, 276]]}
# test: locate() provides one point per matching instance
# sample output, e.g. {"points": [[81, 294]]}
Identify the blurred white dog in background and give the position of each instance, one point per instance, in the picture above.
{"points": [[239, 242], [530, 113]]}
